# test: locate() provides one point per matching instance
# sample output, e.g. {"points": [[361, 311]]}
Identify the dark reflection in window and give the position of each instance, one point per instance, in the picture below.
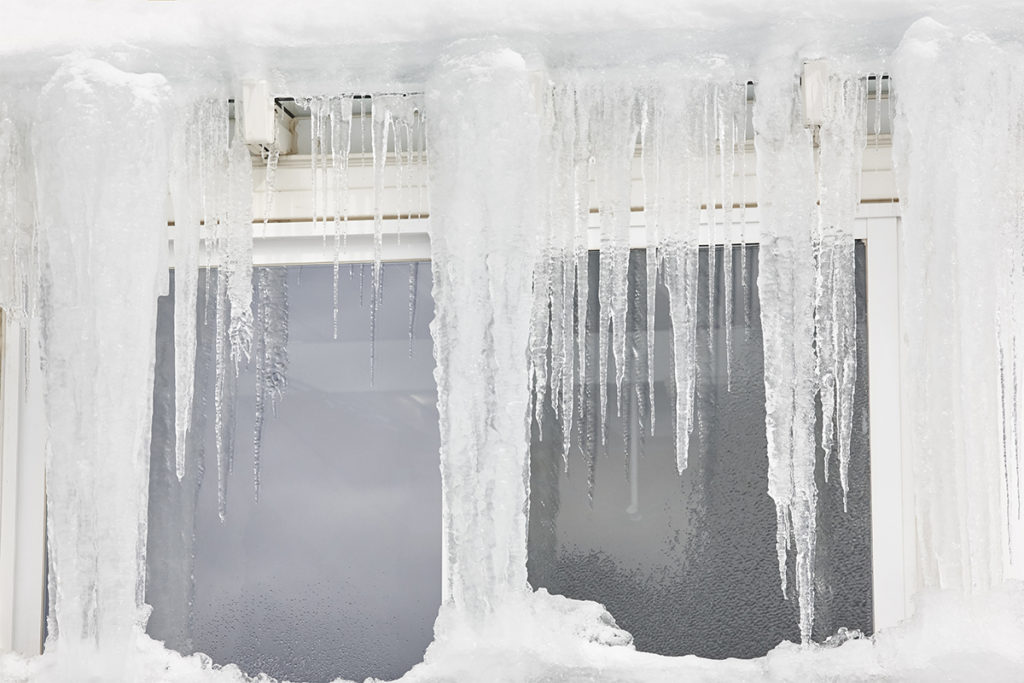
{"points": [[687, 563], [336, 571]]}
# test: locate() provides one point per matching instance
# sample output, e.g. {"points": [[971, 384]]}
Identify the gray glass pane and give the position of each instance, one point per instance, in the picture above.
{"points": [[687, 563], [336, 571]]}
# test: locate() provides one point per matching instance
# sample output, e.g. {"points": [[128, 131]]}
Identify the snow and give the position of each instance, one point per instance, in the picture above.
{"points": [[529, 126]]}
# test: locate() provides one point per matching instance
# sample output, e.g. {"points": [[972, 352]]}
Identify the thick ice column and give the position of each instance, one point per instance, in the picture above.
{"points": [[487, 189], [958, 163], [100, 150], [786, 285]]}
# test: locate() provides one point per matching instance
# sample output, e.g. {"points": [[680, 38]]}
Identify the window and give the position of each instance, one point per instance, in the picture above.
{"points": [[336, 570], [687, 563]]}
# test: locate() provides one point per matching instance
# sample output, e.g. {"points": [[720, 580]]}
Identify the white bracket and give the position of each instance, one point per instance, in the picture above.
{"points": [[814, 89], [258, 119]]}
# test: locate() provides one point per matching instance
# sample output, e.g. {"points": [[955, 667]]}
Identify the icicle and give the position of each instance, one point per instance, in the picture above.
{"points": [[270, 350], [187, 201], [236, 258], [614, 128], [414, 278], [271, 156], [318, 146], [711, 116], [730, 108], [786, 285], [484, 244], [362, 284], [960, 242], [673, 197], [582, 170], [214, 129], [380, 128], [842, 139], [225, 391], [341, 143], [650, 170], [100, 233], [540, 328], [743, 214]]}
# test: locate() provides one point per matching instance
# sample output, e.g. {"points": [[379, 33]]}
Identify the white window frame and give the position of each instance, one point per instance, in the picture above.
{"points": [[286, 241]]}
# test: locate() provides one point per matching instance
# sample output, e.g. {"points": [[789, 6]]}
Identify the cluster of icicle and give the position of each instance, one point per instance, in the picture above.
{"points": [[806, 290], [960, 161], [688, 141], [211, 190], [212, 182], [338, 125]]}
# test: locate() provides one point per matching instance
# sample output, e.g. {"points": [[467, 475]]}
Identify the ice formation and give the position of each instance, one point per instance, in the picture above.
{"points": [[524, 157], [687, 134], [270, 351], [484, 240], [960, 293], [98, 361], [805, 286]]}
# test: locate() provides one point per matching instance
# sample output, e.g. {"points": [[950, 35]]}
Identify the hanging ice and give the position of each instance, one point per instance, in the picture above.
{"points": [[786, 286], [484, 244], [340, 120], [389, 114], [270, 350], [672, 194], [842, 138], [614, 127], [224, 392], [236, 254], [330, 146], [414, 277], [195, 167], [959, 169], [808, 301], [98, 381]]}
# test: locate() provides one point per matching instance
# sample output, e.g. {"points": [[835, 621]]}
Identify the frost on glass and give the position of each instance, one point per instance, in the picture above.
{"points": [[336, 569], [686, 561]]}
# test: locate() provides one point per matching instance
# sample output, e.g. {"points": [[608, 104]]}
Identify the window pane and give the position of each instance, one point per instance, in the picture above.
{"points": [[336, 571], [687, 563]]}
